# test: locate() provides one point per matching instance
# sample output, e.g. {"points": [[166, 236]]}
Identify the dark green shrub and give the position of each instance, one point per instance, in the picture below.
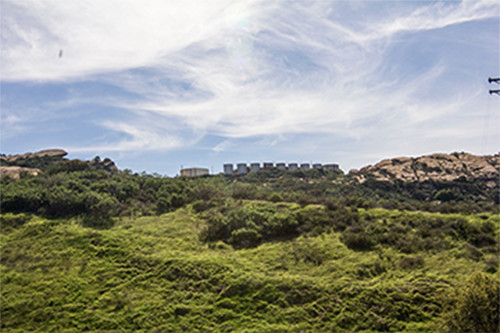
{"points": [[370, 270], [309, 251], [243, 191], [411, 262], [343, 217], [177, 200], [245, 237], [11, 221], [312, 218], [492, 264], [359, 241], [202, 205], [206, 189], [163, 204], [275, 197], [281, 224], [472, 252], [99, 209], [445, 195]]}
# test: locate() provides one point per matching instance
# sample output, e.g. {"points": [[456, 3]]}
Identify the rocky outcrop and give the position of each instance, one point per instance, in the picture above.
{"points": [[12, 159], [15, 172], [435, 167], [32, 163], [106, 164]]}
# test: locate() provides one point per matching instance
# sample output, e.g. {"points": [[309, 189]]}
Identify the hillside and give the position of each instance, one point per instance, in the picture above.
{"points": [[154, 274], [86, 248]]}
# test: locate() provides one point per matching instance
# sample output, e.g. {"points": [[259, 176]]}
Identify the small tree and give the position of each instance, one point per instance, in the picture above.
{"points": [[100, 208], [445, 195]]}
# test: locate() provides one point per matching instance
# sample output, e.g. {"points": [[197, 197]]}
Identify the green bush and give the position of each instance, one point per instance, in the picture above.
{"points": [[163, 204], [411, 262], [445, 195], [243, 190], [275, 197], [11, 221], [249, 224], [245, 237], [473, 306], [100, 208], [361, 241]]}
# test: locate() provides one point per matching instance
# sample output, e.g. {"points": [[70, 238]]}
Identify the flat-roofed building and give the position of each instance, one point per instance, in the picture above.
{"points": [[228, 169], [293, 166], [305, 166], [281, 166], [194, 172], [317, 166]]}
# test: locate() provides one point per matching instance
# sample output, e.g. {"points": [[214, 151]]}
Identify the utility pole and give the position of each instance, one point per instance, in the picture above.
{"points": [[496, 80]]}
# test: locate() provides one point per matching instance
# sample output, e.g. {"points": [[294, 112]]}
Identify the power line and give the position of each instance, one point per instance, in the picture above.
{"points": [[496, 80]]}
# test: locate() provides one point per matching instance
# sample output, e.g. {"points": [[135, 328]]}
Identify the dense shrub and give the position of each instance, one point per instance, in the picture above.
{"points": [[263, 222], [445, 195], [275, 197], [243, 190], [354, 240], [473, 306], [11, 221]]}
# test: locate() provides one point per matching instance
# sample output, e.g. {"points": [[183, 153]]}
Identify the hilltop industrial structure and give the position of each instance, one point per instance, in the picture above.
{"points": [[194, 172], [243, 168]]}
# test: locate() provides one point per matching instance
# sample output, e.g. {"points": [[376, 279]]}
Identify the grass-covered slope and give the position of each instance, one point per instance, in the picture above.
{"points": [[162, 274]]}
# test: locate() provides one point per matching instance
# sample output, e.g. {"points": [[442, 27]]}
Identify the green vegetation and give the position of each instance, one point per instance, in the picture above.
{"points": [[89, 250]]}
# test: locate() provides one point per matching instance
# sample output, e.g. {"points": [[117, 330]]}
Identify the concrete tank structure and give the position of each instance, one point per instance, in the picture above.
{"points": [[331, 167], [268, 165], [228, 169], [242, 169], [254, 167]]}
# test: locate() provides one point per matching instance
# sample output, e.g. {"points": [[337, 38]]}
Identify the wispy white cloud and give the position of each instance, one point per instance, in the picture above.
{"points": [[98, 36], [234, 69], [439, 15], [137, 138], [223, 146]]}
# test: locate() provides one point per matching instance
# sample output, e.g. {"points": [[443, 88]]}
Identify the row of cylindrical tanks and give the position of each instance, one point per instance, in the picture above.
{"points": [[243, 168]]}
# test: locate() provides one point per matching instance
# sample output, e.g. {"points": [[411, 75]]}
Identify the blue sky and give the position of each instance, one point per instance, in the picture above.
{"points": [[156, 85]]}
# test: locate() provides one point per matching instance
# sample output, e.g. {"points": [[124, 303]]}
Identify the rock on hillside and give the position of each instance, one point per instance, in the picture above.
{"points": [[15, 172], [435, 167], [31, 163], [11, 159], [106, 164]]}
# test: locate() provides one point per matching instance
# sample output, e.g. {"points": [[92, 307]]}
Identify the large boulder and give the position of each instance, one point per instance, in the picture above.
{"points": [[13, 159], [15, 172], [435, 167]]}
